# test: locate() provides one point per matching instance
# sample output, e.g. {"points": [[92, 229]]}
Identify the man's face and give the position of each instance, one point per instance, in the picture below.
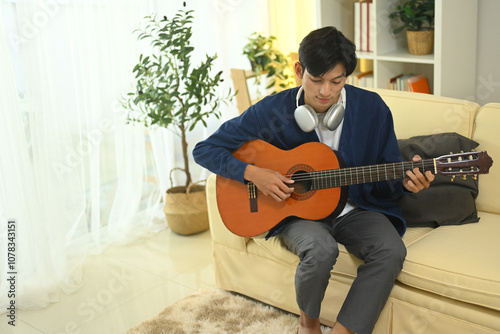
{"points": [[322, 92]]}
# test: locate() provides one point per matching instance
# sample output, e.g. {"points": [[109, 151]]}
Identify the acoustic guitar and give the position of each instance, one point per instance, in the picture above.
{"points": [[320, 183]]}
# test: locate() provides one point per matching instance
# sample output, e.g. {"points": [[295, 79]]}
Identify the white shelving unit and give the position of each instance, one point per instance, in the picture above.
{"points": [[451, 69]]}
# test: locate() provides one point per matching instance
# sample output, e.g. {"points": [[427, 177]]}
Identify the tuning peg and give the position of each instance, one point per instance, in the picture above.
{"points": [[474, 176], [463, 176], [452, 178]]}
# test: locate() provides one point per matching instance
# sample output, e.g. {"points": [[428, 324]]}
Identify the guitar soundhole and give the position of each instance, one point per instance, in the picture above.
{"points": [[302, 185]]}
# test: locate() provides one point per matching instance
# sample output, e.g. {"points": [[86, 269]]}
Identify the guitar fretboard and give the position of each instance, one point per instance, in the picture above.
{"points": [[358, 175]]}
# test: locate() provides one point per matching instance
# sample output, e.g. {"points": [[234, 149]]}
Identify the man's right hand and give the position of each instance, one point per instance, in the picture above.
{"points": [[270, 182]]}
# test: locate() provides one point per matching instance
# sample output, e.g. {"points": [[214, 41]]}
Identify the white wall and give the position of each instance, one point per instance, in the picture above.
{"points": [[488, 52], [282, 13]]}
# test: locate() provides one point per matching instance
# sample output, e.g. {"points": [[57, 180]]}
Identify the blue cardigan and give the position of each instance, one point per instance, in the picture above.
{"points": [[367, 138]]}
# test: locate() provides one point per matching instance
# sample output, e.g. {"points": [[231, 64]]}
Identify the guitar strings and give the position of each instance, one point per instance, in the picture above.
{"points": [[366, 171], [374, 173]]}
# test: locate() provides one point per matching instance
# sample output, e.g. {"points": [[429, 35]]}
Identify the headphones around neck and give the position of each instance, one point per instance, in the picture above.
{"points": [[307, 118]]}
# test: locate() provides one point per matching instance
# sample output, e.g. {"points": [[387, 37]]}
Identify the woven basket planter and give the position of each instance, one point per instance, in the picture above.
{"points": [[420, 42], [186, 209]]}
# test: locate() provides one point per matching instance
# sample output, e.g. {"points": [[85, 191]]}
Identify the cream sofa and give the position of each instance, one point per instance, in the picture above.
{"points": [[450, 282]]}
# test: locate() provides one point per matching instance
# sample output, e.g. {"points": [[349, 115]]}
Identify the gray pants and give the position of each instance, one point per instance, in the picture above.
{"points": [[368, 235]]}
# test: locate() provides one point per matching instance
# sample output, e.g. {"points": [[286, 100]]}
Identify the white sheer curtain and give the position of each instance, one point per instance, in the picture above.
{"points": [[73, 175]]}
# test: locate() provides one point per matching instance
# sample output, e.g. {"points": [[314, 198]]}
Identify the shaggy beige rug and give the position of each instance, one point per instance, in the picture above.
{"points": [[212, 311]]}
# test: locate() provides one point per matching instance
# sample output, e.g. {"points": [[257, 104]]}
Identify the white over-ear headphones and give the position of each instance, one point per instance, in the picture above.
{"points": [[307, 119]]}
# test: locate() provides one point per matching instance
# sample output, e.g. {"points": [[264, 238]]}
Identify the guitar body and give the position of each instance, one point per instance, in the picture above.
{"points": [[248, 212]]}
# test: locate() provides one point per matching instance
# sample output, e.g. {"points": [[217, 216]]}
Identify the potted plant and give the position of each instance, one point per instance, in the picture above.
{"points": [[417, 17], [173, 93], [266, 59]]}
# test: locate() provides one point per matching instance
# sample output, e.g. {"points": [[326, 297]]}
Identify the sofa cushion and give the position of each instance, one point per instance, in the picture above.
{"points": [[347, 264], [459, 262], [436, 114], [486, 133], [445, 202]]}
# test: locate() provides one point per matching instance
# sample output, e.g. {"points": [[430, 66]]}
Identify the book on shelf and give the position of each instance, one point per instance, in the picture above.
{"points": [[392, 84], [363, 79], [419, 84], [410, 82], [364, 26], [365, 65]]}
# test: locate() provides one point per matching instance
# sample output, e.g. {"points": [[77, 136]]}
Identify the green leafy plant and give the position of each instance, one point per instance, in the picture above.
{"points": [[266, 59], [170, 92], [416, 15]]}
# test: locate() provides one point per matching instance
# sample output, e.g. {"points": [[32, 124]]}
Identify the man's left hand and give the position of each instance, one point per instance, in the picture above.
{"points": [[415, 180]]}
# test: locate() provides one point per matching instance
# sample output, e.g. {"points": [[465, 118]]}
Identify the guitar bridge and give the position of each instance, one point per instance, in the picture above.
{"points": [[252, 196]]}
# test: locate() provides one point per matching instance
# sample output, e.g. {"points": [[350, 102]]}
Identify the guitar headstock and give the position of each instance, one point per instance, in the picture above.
{"points": [[463, 164]]}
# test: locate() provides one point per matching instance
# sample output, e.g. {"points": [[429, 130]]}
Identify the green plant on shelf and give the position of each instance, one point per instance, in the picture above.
{"points": [[415, 15]]}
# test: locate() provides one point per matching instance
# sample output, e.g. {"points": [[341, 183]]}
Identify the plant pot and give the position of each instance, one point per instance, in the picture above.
{"points": [[252, 65], [186, 210], [420, 42]]}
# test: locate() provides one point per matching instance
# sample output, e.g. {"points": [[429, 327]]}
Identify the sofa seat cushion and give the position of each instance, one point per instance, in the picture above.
{"points": [[459, 262], [347, 264]]}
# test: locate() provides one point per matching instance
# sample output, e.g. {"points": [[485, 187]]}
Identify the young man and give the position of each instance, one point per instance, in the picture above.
{"points": [[371, 224]]}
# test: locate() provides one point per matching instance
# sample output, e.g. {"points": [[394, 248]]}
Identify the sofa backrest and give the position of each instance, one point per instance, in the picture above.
{"points": [[424, 114], [487, 134]]}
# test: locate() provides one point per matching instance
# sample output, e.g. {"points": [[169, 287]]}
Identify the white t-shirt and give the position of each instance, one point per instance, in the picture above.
{"points": [[332, 139]]}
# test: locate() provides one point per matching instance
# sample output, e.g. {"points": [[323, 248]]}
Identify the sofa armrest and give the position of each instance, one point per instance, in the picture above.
{"points": [[487, 135], [220, 234]]}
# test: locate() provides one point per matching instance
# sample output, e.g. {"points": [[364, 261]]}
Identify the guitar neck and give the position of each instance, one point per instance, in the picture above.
{"points": [[373, 173]]}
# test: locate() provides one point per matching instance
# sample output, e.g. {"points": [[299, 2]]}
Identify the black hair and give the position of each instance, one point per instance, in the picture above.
{"points": [[323, 49]]}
